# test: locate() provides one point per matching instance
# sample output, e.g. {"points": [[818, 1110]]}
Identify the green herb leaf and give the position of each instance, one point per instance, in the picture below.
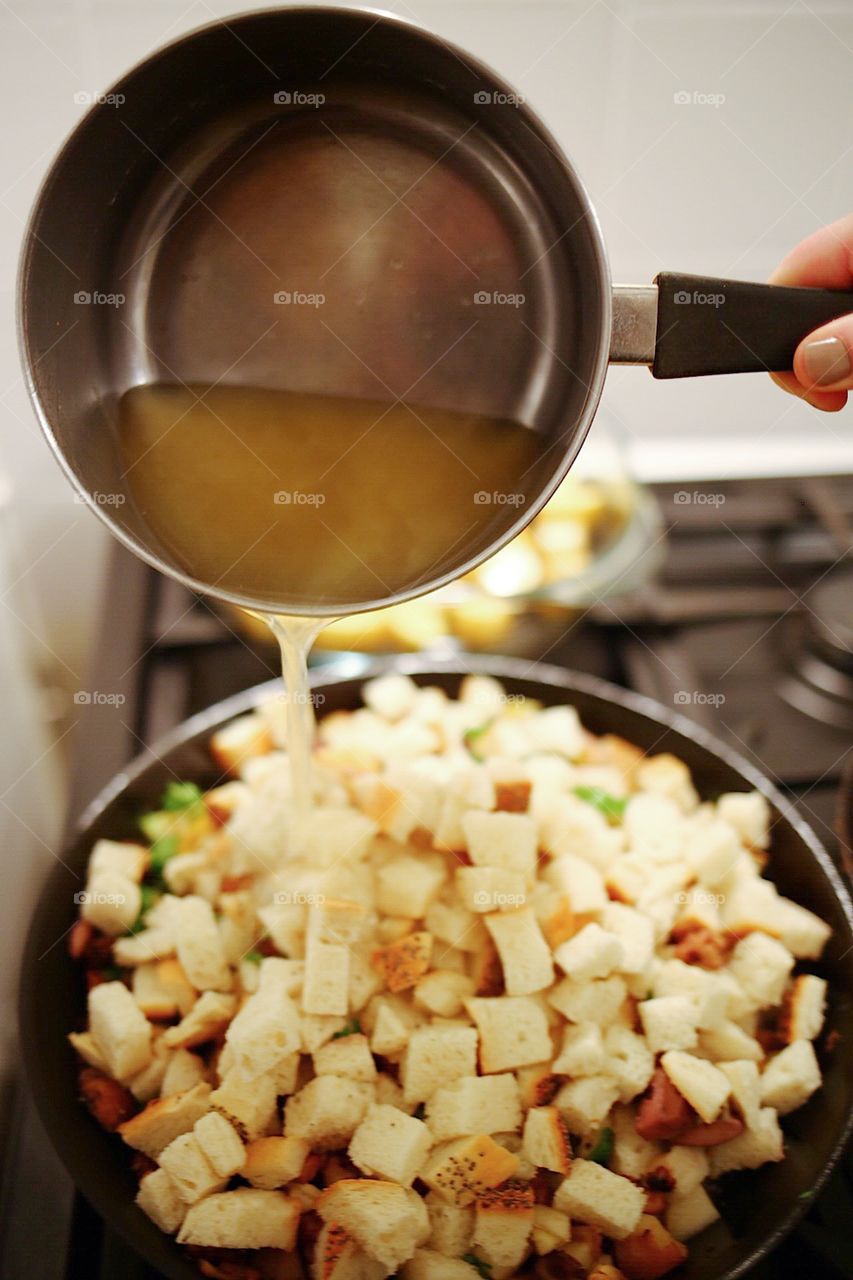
{"points": [[150, 894], [484, 1268], [161, 851], [472, 736], [179, 796], [112, 973], [253, 957], [603, 1149], [612, 807], [352, 1028]]}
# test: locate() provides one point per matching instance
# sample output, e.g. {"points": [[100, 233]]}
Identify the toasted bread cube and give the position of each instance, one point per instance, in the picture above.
{"points": [[220, 1144], [250, 1105], [591, 953], [745, 1081], [239, 741], [158, 1198], [337, 920], [582, 1051], [598, 1001], [709, 991], [524, 953], [436, 1056], [327, 1111], [550, 1229], [119, 1028], [630, 1060], [800, 930], [487, 889], [455, 926], [165, 1119], [189, 1168], [338, 1257], [804, 1007], [348, 1056], [669, 1022], [83, 1042], [243, 1219], [199, 945], [110, 901], [586, 1103], [513, 1032], [790, 1077], [570, 827], [704, 1086], [686, 1166], [461, 1170], [688, 1214], [264, 1031], [504, 840], [274, 1161], [537, 1085], [443, 991], [122, 856], [635, 932], [712, 849], [451, 1226], [582, 883], [392, 1022], [503, 1221], [594, 1195], [749, 813], [317, 1029], [206, 1020], [429, 1265], [762, 966], [404, 962], [388, 1221], [391, 696], [546, 1142], [408, 883], [729, 1042], [474, 1104], [325, 988], [761, 1144], [632, 1155], [390, 1144], [666, 775], [144, 947], [148, 1083]]}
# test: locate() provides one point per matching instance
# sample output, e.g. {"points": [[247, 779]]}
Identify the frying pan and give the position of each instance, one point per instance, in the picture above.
{"points": [[337, 201], [758, 1208]]}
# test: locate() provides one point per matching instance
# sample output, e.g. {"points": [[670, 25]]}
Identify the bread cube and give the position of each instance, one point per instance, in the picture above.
{"points": [[503, 1221], [708, 990], [456, 926], [582, 883], [597, 1001], [272, 1162], [404, 962], [121, 856], [790, 1077], [199, 945], [220, 1144], [729, 1042], [119, 1028], [250, 1105], [704, 1086], [487, 889], [158, 1198], [745, 1081], [338, 1257], [513, 1032], [591, 953], [461, 1170], [264, 1031], [686, 1166], [388, 1221], [391, 696], [327, 1111], [111, 901], [325, 988], [629, 1060], [337, 921], [504, 840], [546, 1142], [408, 883], [749, 813], [688, 1215], [474, 1104], [762, 966], [585, 1104], [571, 827], [331, 836], [632, 1155], [654, 827], [582, 1052], [524, 953], [242, 1219], [390, 1144], [190, 1170], [594, 1195], [426, 1264], [162, 1120], [667, 775], [804, 1008], [669, 1022], [763, 1143], [206, 1020], [635, 932], [443, 991], [434, 1057], [550, 1229], [800, 930]]}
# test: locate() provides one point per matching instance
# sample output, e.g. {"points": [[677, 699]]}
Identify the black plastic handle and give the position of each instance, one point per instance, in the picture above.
{"points": [[706, 325]]}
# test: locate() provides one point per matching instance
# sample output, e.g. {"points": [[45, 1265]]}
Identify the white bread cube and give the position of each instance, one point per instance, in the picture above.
{"points": [[712, 849], [119, 1028], [158, 1198], [749, 813], [461, 1170], [337, 920], [804, 1007], [545, 1141], [443, 991], [164, 1119], [264, 1031], [686, 1166], [390, 1144], [629, 1060], [241, 740], [148, 1083], [486, 889], [591, 953], [208, 1017], [243, 1219], [503, 1221], [594, 1195], [220, 1144], [327, 1111], [556, 729], [763, 1143], [709, 991], [669, 1022], [513, 1032], [190, 1170], [474, 1104], [745, 1081], [338, 1257], [632, 1155], [580, 881], [409, 882], [111, 901], [456, 926], [762, 966], [571, 827], [274, 1161], [802, 932], [391, 696], [145, 946], [250, 1105], [122, 856], [347, 1056], [790, 1077], [83, 1042], [325, 988], [636, 933], [505, 840], [436, 1056], [451, 1226], [391, 1029], [330, 836], [550, 1229], [704, 1086], [688, 1215], [729, 1042], [199, 945], [598, 1001], [654, 827], [388, 1221], [524, 953], [582, 1051], [427, 1264], [586, 1103], [162, 990], [667, 775], [317, 1029]]}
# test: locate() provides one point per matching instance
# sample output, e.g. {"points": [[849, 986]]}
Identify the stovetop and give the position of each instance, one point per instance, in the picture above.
{"points": [[746, 630]]}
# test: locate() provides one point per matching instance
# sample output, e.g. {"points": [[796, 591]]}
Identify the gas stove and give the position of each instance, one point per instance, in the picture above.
{"points": [[748, 629]]}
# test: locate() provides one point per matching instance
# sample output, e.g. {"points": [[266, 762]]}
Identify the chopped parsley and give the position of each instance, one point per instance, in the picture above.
{"points": [[161, 851], [180, 796], [150, 894], [472, 736], [484, 1268], [352, 1028], [602, 1152], [112, 973], [253, 957], [612, 807]]}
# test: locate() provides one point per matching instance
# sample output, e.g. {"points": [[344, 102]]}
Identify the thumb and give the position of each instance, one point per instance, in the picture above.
{"points": [[824, 360]]}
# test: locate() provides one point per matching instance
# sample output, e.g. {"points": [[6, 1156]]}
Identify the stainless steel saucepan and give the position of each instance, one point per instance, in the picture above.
{"points": [[335, 200]]}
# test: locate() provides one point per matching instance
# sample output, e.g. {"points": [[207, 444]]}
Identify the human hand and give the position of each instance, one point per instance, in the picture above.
{"points": [[823, 362]]}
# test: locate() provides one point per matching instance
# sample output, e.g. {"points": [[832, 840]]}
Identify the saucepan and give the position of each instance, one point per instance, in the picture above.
{"points": [[758, 1208], [336, 201]]}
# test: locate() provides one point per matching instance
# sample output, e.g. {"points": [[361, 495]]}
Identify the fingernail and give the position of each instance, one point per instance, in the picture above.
{"points": [[826, 361]]}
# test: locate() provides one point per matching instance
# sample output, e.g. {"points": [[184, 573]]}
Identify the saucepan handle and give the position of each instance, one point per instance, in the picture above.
{"points": [[683, 326]]}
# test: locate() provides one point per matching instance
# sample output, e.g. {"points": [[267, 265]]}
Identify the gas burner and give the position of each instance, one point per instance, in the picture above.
{"points": [[821, 681]]}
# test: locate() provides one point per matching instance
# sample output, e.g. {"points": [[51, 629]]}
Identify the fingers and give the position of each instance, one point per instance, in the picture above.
{"points": [[823, 260], [828, 401]]}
